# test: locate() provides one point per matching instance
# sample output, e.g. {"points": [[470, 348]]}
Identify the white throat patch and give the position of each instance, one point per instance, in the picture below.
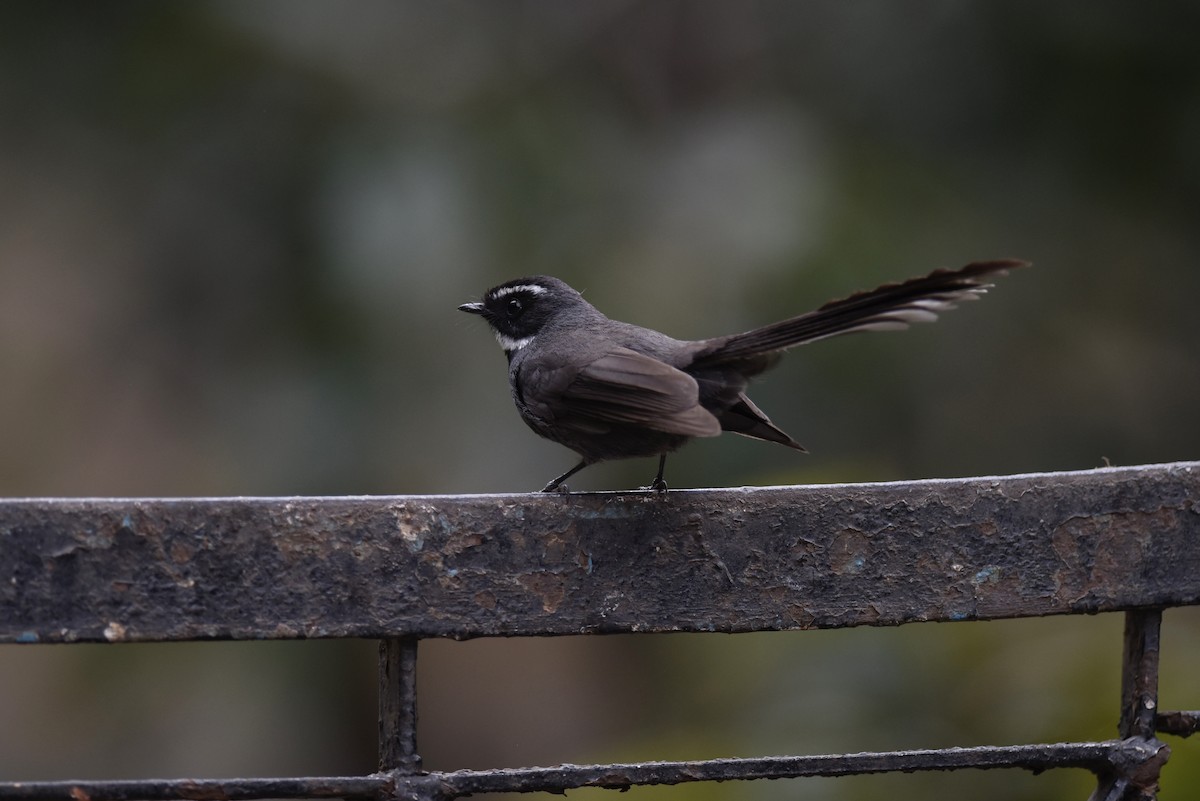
{"points": [[511, 345]]}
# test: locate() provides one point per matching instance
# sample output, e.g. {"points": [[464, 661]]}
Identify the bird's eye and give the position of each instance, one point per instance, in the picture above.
{"points": [[515, 307]]}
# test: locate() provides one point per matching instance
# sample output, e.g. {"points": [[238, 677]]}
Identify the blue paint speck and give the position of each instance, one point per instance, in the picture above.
{"points": [[854, 565], [989, 573], [28, 636]]}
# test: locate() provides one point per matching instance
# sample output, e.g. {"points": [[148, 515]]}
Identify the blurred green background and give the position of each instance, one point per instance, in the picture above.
{"points": [[233, 234]]}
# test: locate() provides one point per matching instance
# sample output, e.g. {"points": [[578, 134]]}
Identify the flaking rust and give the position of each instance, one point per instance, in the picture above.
{"points": [[700, 560]]}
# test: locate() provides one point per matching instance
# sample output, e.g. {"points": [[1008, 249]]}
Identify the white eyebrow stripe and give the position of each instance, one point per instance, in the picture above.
{"points": [[532, 289], [511, 345]]}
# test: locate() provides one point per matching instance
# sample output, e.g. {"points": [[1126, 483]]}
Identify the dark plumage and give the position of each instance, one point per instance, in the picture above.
{"points": [[611, 390]]}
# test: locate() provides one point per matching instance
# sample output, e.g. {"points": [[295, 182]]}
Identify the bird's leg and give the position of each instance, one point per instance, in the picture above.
{"points": [[557, 484], [658, 485]]}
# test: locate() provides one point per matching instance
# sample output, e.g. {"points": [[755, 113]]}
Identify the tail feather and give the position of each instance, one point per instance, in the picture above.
{"points": [[745, 418], [891, 307]]}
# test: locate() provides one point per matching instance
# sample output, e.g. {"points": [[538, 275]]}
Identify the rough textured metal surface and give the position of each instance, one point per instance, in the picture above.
{"points": [[1137, 779], [1037, 758], [704, 560], [200, 789], [1183, 723], [398, 705], [1139, 673], [1096, 757]]}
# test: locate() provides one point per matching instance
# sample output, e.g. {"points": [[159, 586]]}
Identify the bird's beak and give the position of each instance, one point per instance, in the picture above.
{"points": [[472, 308]]}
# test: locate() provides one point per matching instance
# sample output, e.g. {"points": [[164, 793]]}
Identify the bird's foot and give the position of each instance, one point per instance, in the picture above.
{"points": [[658, 484], [557, 485]]}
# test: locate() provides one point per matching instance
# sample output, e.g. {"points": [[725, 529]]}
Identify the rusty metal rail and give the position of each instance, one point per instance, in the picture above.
{"points": [[1096, 757], [399, 569]]}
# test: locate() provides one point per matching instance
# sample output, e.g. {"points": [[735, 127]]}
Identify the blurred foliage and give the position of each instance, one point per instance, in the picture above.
{"points": [[232, 237]]}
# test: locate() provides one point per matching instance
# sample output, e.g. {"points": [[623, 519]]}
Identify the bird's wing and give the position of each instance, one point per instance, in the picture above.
{"points": [[629, 388]]}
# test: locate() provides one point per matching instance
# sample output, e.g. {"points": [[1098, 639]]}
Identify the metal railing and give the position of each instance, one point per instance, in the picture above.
{"points": [[400, 569]]}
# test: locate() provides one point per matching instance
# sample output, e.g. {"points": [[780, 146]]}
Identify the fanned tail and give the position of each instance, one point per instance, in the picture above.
{"points": [[891, 307]]}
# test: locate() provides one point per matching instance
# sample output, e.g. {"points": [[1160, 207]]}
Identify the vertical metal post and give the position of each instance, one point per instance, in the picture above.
{"points": [[1139, 674], [1137, 779], [398, 705]]}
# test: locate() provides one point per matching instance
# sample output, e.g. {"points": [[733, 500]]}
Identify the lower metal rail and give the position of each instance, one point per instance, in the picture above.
{"points": [[1113, 756]]}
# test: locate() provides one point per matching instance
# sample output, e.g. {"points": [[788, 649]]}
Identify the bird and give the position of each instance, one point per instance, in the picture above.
{"points": [[613, 390]]}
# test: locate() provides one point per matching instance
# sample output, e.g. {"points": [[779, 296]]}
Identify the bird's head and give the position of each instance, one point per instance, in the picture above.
{"points": [[518, 310]]}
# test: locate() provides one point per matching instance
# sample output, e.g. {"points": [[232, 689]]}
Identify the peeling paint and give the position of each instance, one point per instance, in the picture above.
{"points": [[988, 575], [723, 560]]}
